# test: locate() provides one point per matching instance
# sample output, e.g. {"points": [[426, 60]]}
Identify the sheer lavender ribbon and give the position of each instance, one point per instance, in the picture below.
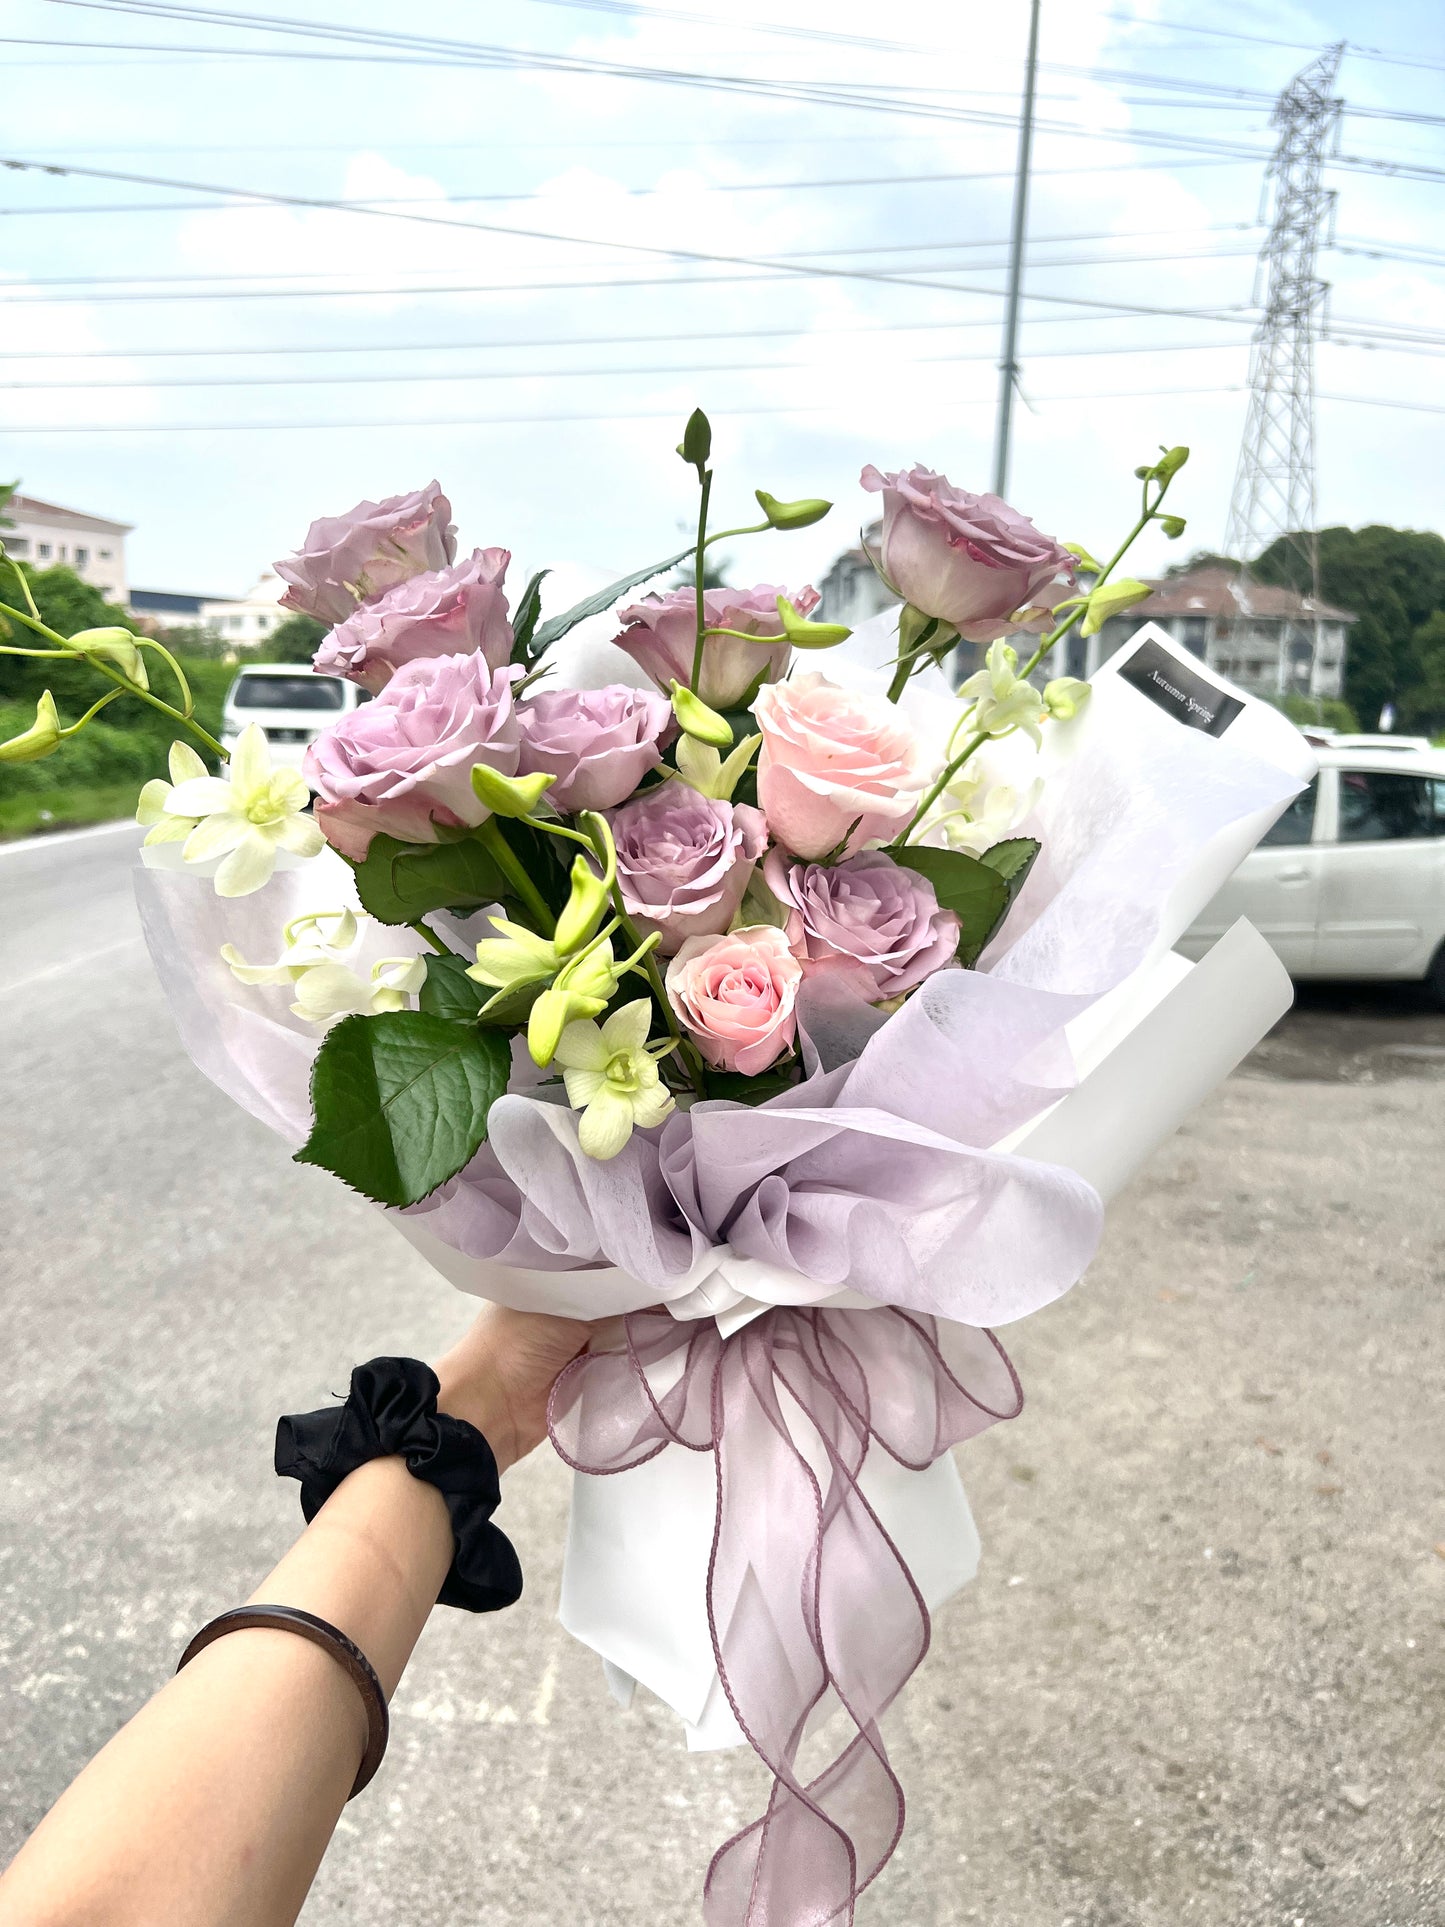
{"points": [[806, 1591]]}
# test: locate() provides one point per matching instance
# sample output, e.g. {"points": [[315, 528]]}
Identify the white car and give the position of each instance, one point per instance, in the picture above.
{"points": [[291, 702], [1350, 882]]}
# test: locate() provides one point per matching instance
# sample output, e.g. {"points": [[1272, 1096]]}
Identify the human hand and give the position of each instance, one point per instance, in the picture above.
{"points": [[498, 1376]]}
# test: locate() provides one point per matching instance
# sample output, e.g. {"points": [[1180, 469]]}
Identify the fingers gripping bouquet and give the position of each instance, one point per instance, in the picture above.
{"points": [[763, 990]]}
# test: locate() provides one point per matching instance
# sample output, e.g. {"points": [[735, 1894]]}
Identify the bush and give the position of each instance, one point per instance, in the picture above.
{"points": [[1323, 711]]}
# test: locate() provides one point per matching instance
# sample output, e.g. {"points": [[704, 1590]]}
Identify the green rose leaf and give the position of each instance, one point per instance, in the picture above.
{"points": [[399, 882], [449, 992], [525, 620], [400, 1101], [1013, 859], [975, 891], [599, 604]]}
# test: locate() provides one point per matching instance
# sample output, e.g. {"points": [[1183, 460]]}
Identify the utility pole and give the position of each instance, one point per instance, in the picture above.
{"points": [[1274, 485], [1009, 367]]}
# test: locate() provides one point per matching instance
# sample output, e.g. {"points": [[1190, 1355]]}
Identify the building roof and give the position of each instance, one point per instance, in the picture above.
{"points": [[31, 505], [170, 601], [1221, 592]]}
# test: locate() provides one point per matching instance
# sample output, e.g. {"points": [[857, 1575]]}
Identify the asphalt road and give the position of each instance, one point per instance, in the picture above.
{"points": [[1198, 1681]]}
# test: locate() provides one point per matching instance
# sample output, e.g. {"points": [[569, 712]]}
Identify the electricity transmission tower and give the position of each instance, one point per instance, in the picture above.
{"points": [[1274, 485]]}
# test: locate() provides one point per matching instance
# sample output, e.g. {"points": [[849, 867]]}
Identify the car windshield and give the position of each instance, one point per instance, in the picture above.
{"points": [[301, 691]]}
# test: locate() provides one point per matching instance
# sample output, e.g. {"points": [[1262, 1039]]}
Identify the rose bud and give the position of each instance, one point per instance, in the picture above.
{"points": [[833, 765], [446, 612], [735, 995], [660, 635], [351, 558], [402, 765], [868, 914], [684, 861], [969, 560], [597, 744]]}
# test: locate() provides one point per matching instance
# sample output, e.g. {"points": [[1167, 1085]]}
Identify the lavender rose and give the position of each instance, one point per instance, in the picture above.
{"points": [[352, 558], [660, 634], [402, 765], [684, 861], [970, 560], [597, 743], [446, 612], [868, 916]]}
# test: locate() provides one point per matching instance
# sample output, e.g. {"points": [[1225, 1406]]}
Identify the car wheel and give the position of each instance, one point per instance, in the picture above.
{"points": [[1435, 978]]}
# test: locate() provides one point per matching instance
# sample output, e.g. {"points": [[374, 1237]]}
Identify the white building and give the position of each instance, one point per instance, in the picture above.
{"points": [[853, 590], [246, 621], [47, 536], [1267, 638]]}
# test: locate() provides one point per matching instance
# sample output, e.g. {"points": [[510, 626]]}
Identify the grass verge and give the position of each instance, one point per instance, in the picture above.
{"points": [[65, 809]]}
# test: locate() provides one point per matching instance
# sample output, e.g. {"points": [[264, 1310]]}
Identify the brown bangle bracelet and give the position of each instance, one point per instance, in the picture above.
{"points": [[290, 1619]]}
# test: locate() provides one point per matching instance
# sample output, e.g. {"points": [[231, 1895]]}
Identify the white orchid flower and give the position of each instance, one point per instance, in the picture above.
{"points": [[329, 990], [1002, 701], [150, 810], [982, 822], [612, 1078], [245, 817], [319, 937]]}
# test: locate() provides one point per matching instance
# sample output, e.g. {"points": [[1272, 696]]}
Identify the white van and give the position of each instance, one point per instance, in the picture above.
{"points": [[1350, 882], [291, 702]]}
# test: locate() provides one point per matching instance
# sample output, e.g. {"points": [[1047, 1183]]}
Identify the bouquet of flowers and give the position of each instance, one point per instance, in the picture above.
{"points": [[739, 981]]}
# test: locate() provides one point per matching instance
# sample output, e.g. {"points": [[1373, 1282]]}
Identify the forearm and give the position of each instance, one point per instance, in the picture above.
{"points": [[241, 1765]]}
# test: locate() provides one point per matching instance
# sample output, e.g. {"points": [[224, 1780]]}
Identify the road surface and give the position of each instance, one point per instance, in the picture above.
{"points": [[1198, 1680]]}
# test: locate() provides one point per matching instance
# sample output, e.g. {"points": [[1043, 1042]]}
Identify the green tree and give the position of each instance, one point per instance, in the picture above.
{"points": [[1393, 581], [295, 640], [1424, 708], [68, 605]]}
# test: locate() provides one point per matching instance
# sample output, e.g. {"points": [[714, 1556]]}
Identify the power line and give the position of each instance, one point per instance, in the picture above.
{"points": [[558, 374], [499, 421]]}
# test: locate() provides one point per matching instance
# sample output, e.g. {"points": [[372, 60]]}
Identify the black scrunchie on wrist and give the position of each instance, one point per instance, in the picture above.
{"points": [[391, 1411]]}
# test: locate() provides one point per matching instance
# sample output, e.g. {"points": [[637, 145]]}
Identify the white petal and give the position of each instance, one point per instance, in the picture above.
{"points": [[250, 765], [627, 1029], [185, 764], [582, 1047], [171, 829], [582, 1086], [652, 1106], [248, 866], [330, 990], [214, 836], [288, 787], [252, 973], [298, 834], [151, 803], [202, 796], [400, 974], [606, 1125]]}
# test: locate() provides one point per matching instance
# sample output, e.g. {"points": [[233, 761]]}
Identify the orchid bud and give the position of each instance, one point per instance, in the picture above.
{"points": [[582, 987], [696, 719], [703, 770], [1065, 697], [583, 910], [117, 646], [791, 515], [509, 795], [41, 739], [803, 634], [1111, 599]]}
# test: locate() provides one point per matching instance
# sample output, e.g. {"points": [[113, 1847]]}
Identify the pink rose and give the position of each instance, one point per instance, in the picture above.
{"points": [[402, 765], [661, 633], [351, 558], [736, 994], [446, 612], [970, 560], [867, 915], [684, 861], [597, 743], [831, 760]]}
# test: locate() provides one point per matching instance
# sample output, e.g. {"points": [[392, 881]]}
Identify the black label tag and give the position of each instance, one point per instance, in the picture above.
{"points": [[1180, 691]]}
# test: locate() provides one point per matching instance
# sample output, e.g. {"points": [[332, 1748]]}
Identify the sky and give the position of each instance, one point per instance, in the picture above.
{"points": [[584, 218]]}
